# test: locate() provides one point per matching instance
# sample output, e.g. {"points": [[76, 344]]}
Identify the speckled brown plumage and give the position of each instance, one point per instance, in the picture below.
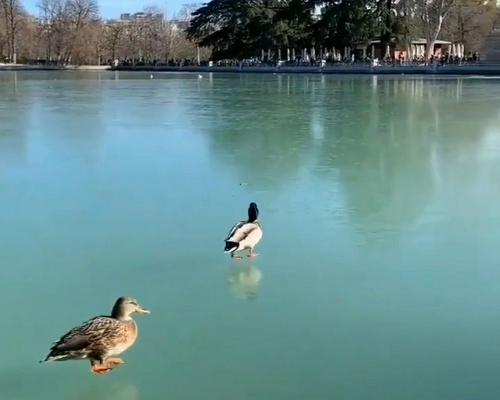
{"points": [[100, 337]]}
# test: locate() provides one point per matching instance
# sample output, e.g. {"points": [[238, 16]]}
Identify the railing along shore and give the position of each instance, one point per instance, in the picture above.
{"points": [[475, 68]]}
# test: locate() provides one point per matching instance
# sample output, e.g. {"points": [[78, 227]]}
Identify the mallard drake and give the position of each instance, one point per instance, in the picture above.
{"points": [[100, 338], [244, 234]]}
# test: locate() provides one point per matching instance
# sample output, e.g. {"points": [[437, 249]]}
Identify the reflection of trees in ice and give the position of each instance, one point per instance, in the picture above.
{"points": [[110, 391], [264, 140], [15, 109], [382, 141]]}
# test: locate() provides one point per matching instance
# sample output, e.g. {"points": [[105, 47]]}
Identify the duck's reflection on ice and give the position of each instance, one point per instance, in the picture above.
{"points": [[72, 383], [244, 281], [111, 391]]}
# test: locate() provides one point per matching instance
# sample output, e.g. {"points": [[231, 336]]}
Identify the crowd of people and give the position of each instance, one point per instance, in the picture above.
{"points": [[353, 59]]}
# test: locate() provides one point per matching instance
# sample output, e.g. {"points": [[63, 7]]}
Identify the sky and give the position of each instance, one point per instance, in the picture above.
{"points": [[113, 8]]}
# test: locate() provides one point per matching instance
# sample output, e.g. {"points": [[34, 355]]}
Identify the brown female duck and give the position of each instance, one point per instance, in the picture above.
{"points": [[100, 338]]}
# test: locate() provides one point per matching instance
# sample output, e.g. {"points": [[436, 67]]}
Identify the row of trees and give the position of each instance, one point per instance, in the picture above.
{"points": [[242, 28], [71, 31]]}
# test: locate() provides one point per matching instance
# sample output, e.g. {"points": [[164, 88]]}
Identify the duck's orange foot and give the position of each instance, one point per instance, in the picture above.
{"points": [[114, 361], [100, 369], [252, 255], [237, 257]]}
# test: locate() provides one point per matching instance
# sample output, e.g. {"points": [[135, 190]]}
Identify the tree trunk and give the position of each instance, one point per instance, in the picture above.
{"points": [[13, 50], [431, 39]]}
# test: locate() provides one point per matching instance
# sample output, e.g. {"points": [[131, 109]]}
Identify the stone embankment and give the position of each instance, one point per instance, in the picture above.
{"points": [[470, 69]]}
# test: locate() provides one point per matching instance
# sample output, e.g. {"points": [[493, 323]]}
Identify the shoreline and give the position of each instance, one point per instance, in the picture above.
{"points": [[477, 69]]}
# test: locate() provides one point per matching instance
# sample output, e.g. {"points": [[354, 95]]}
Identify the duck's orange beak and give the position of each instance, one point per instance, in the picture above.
{"points": [[141, 310]]}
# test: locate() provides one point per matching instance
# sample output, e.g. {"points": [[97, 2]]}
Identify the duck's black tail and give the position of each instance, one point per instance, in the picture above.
{"points": [[230, 247]]}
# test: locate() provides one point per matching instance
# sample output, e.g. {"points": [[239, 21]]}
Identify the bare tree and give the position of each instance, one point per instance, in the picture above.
{"points": [[29, 40], [186, 10], [469, 22], [3, 37], [182, 48], [432, 13], [14, 15], [112, 35], [81, 13], [131, 42], [54, 25], [70, 31], [188, 48], [65, 24], [152, 29]]}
